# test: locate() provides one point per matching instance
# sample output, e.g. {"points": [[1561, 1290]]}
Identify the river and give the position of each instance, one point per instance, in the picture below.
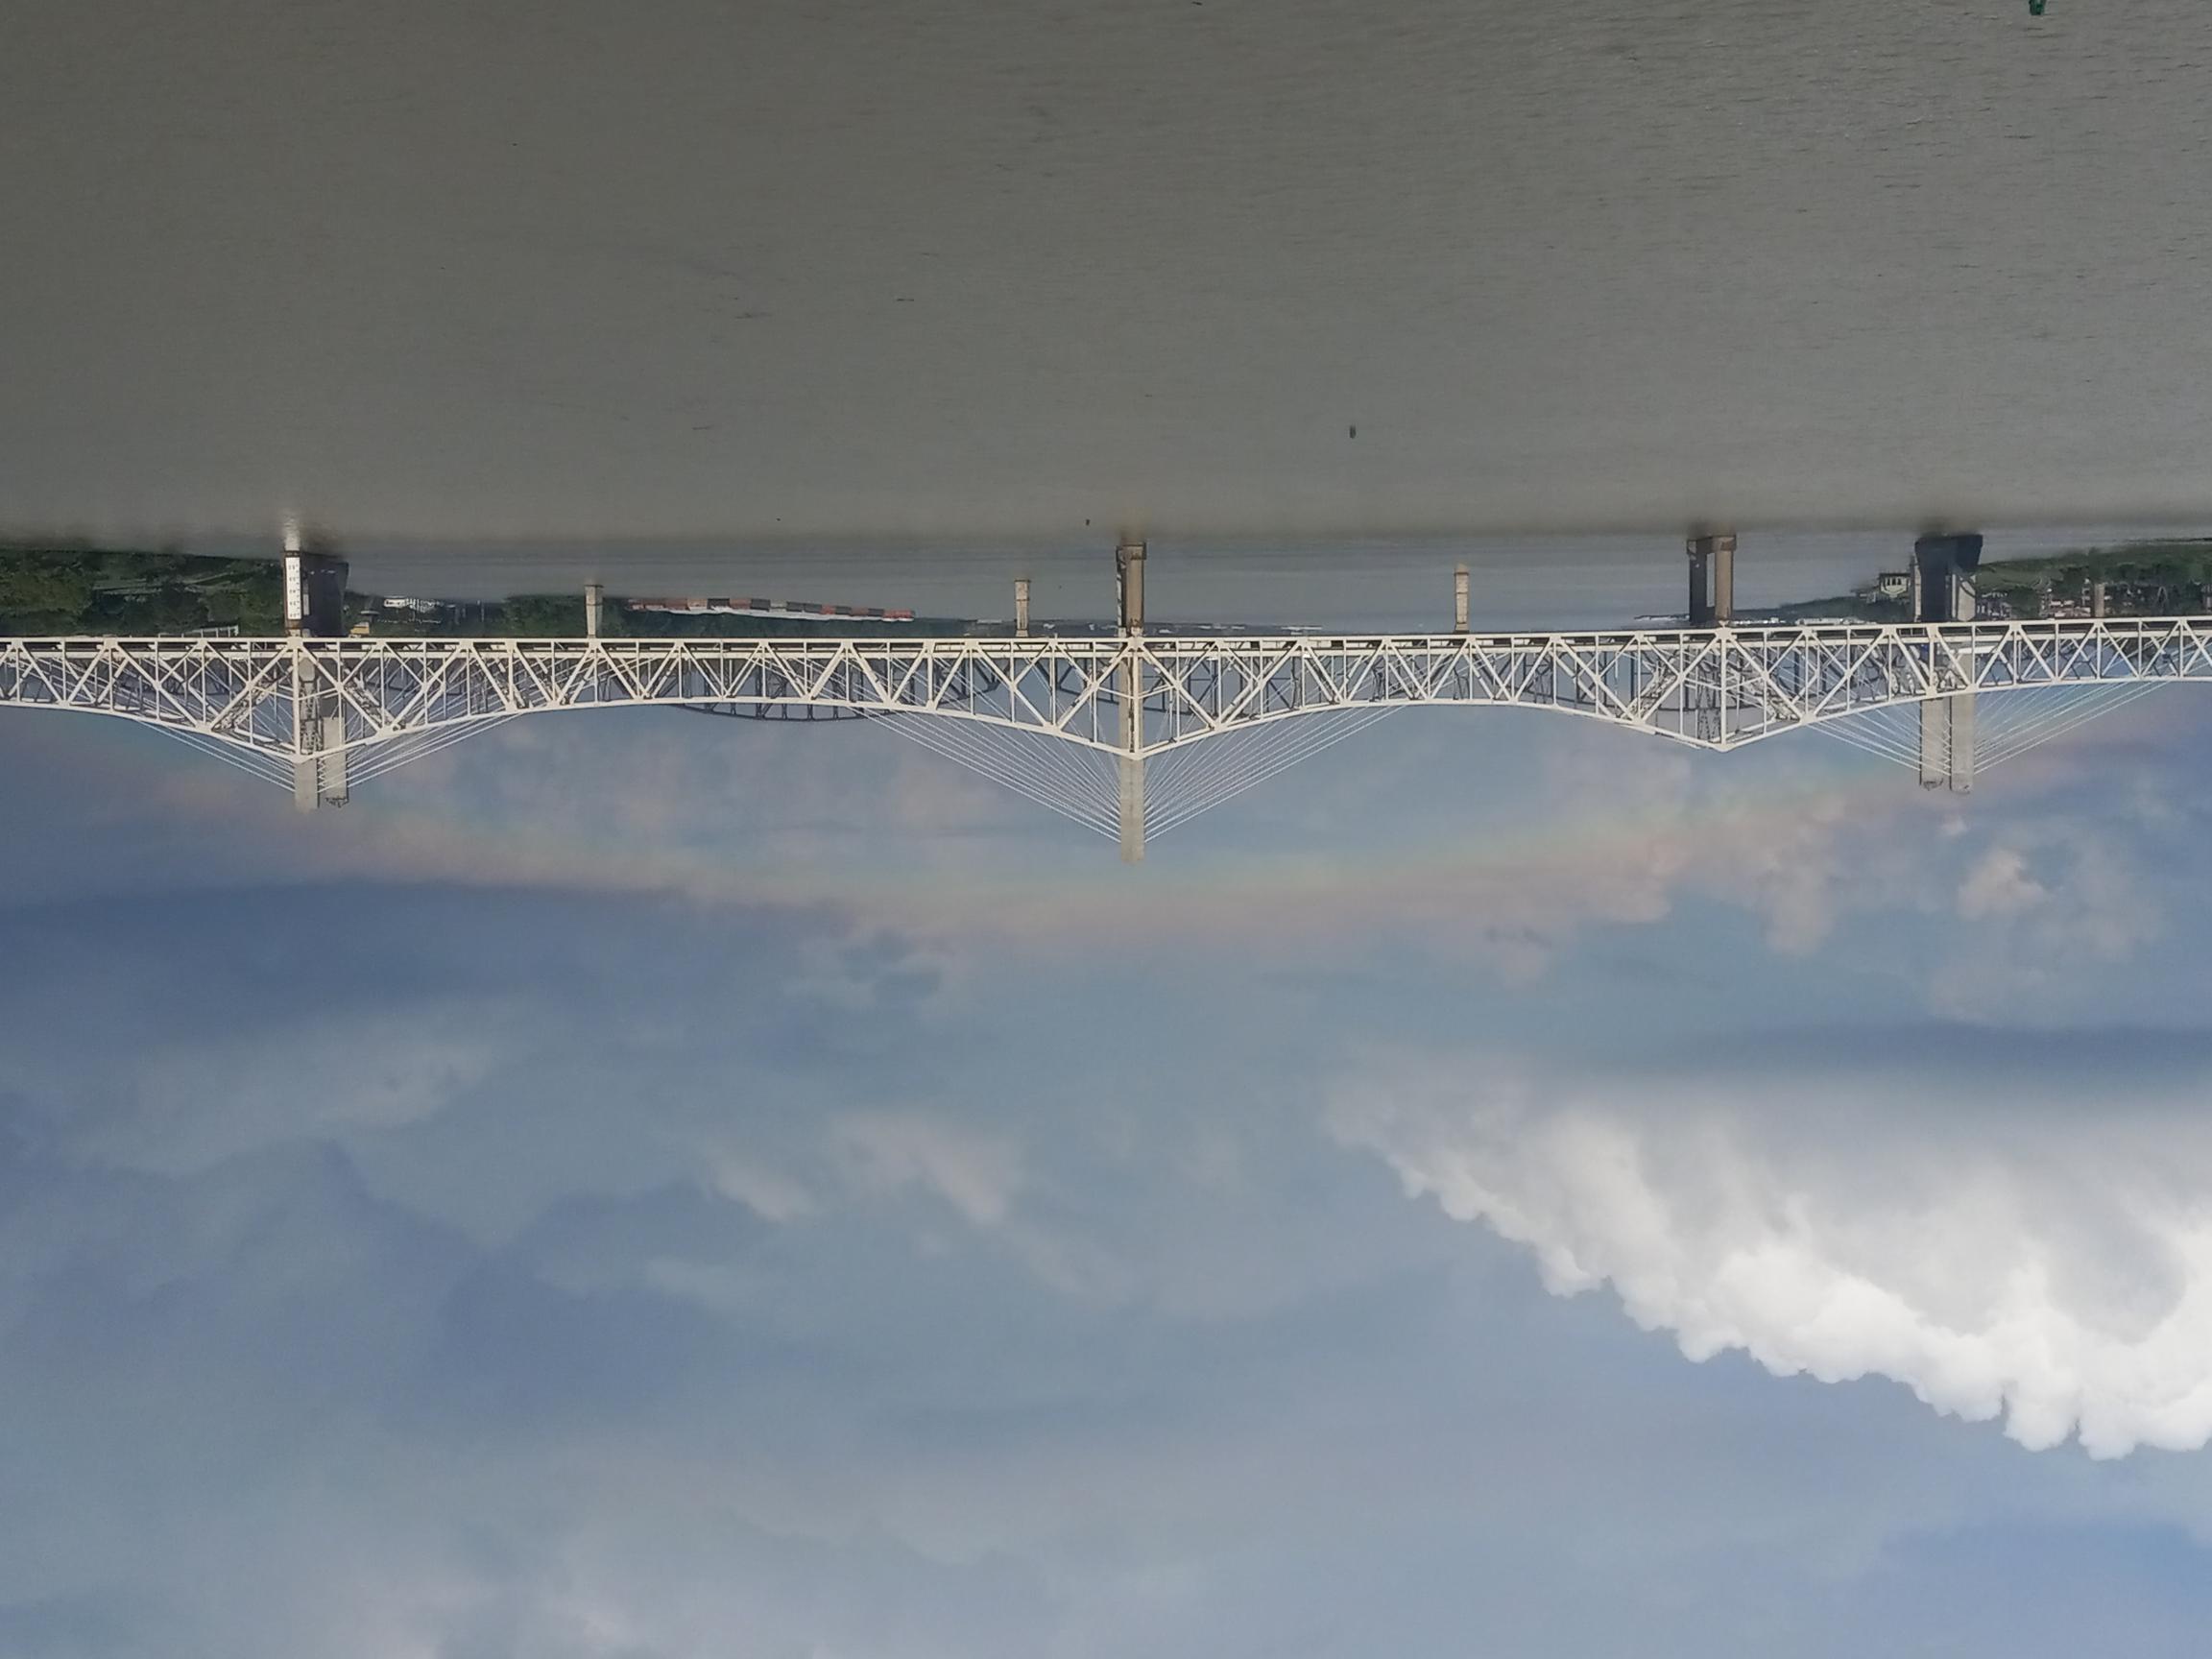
{"points": [[803, 273]]}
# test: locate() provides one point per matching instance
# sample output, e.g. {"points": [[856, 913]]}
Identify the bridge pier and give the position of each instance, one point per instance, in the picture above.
{"points": [[1943, 566], [1942, 591], [1712, 579], [1020, 607], [1947, 743], [319, 752], [314, 592], [1129, 585], [315, 609], [1961, 778], [594, 605], [1459, 600]]}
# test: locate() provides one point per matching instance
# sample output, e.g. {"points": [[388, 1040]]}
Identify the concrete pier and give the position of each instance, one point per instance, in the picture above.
{"points": [[594, 607], [314, 594], [1943, 566], [1131, 797], [1947, 743], [2097, 603], [1129, 585], [1961, 776], [1021, 607], [318, 741], [1941, 591], [315, 609], [1700, 583], [1712, 578], [1459, 600], [318, 777]]}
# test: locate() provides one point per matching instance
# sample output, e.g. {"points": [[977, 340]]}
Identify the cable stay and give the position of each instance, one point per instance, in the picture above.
{"points": [[2009, 722], [364, 761], [1082, 783]]}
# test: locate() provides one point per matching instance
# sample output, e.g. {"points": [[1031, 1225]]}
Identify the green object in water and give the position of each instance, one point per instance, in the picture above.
{"points": [[2035, 7]]}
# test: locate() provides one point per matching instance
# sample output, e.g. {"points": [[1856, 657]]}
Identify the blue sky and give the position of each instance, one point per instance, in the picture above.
{"points": [[643, 1187]]}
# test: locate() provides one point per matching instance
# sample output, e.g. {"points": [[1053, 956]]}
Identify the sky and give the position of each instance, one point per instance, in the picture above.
{"points": [[651, 1186], [643, 1187]]}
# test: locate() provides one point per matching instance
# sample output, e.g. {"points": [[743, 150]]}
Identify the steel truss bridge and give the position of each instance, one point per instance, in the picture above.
{"points": [[1128, 734]]}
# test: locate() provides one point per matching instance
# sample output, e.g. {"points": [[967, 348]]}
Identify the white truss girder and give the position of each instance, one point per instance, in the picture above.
{"points": [[1713, 688]]}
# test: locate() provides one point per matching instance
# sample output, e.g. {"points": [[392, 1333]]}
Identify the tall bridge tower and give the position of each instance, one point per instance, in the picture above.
{"points": [[315, 609], [1944, 566], [1129, 584]]}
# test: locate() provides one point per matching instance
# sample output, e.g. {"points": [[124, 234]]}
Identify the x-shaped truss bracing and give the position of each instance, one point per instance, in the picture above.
{"points": [[289, 700]]}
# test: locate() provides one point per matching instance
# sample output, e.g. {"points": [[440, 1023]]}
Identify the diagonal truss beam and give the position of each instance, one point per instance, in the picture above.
{"points": [[1715, 688]]}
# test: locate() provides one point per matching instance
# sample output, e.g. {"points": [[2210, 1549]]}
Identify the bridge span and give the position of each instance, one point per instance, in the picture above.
{"points": [[1083, 723]]}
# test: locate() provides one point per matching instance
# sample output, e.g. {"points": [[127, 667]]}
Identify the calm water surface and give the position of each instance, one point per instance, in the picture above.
{"points": [[990, 269]]}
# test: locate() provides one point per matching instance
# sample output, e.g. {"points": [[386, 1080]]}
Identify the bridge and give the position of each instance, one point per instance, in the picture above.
{"points": [[1127, 732]]}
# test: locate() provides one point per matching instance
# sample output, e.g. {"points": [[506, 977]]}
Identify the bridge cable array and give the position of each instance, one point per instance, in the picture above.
{"points": [[2010, 723], [395, 752], [1082, 783]]}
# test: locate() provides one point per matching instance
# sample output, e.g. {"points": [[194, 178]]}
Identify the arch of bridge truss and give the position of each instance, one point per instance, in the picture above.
{"points": [[2172, 660], [1155, 748], [372, 747], [367, 744]]}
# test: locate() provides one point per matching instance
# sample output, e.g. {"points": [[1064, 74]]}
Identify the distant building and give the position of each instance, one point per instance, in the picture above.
{"points": [[1893, 583], [714, 607]]}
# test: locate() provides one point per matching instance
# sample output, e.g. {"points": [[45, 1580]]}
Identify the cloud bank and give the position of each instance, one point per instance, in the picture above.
{"points": [[2036, 1250]]}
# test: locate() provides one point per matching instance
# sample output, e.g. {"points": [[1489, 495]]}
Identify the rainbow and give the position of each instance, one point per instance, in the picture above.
{"points": [[1619, 862]]}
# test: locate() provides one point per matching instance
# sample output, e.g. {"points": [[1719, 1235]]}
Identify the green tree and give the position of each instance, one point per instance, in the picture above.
{"points": [[55, 583]]}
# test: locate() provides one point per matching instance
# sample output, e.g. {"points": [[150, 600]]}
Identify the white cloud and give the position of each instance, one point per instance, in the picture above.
{"points": [[2038, 1259], [762, 1188], [2054, 894], [1776, 843], [193, 1101], [1999, 885], [978, 1174]]}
